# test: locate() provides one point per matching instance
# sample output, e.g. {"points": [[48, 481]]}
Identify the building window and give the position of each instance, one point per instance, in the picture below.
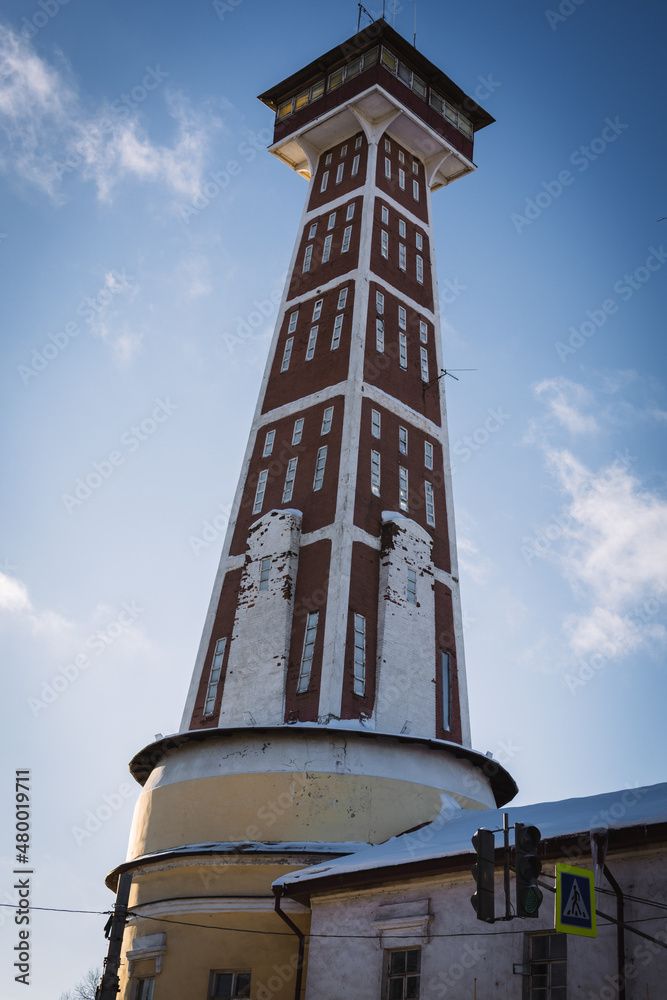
{"points": [[213, 681], [319, 468], [317, 310], [375, 473], [326, 250], [307, 257], [401, 156], [375, 423], [268, 443], [338, 326], [415, 167], [332, 221], [312, 340], [357, 142], [327, 417], [145, 989], [402, 256], [402, 317], [350, 212], [264, 573], [290, 476], [387, 168], [287, 354], [347, 236], [359, 654], [419, 241], [420, 269], [308, 650], [325, 180], [229, 985], [385, 243], [385, 215], [355, 165], [446, 676], [342, 298], [430, 506], [423, 353], [403, 440], [401, 178], [423, 332], [401, 228], [379, 335], [328, 159], [343, 151], [339, 172], [298, 431], [403, 974], [259, 492], [403, 350], [312, 231], [415, 190], [548, 966], [412, 586], [428, 454], [387, 146], [292, 321], [379, 303], [402, 487]]}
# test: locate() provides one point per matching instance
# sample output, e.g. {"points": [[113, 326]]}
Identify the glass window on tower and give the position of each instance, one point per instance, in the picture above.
{"points": [[290, 476], [446, 678], [264, 573], [359, 654], [214, 676], [297, 431], [327, 417], [337, 330], [342, 298], [268, 443], [308, 650]]}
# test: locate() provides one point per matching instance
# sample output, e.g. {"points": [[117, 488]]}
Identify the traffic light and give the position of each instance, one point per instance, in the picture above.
{"points": [[528, 868], [482, 872]]}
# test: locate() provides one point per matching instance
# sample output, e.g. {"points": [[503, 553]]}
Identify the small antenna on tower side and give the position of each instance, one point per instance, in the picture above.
{"points": [[414, 37], [369, 16]]}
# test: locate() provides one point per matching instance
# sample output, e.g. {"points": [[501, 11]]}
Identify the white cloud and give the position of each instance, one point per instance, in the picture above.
{"points": [[565, 401], [13, 595]]}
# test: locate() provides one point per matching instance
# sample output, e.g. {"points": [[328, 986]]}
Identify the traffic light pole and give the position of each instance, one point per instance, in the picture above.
{"points": [[108, 988], [506, 841]]}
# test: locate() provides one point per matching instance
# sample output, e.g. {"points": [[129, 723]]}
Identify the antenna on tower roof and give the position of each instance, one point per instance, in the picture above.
{"points": [[369, 16], [414, 37]]}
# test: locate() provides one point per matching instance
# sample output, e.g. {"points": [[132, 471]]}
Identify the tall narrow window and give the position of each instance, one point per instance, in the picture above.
{"points": [[385, 215], [357, 142], [320, 464], [343, 151], [401, 228], [446, 677], [327, 160], [332, 221], [423, 332], [350, 212], [403, 440], [375, 423], [287, 354], [325, 180], [326, 249], [145, 989], [290, 476], [260, 491], [548, 966], [419, 241], [385, 243], [292, 321], [347, 236], [430, 505], [387, 167], [423, 353], [379, 335], [412, 586], [342, 298], [402, 317], [359, 654], [317, 310], [420, 269], [375, 473], [297, 432], [401, 178], [339, 172], [403, 350], [308, 650], [312, 340], [403, 974], [402, 487], [387, 146], [307, 257], [327, 417], [401, 156], [428, 454], [338, 326], [214, 676], [402, 257], [415, 167], [268, 443], [312, 231], [355, 165], [264, 573], [415, 190], [379, 303]]}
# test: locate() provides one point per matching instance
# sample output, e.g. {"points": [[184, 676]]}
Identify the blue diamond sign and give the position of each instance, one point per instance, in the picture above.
{"points": [[575, 901]]}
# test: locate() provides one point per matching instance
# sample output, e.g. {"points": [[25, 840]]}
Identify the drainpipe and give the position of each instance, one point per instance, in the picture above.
{"points": [[278, 890], [620, 932]]}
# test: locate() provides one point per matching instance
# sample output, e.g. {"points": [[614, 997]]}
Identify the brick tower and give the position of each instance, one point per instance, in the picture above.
{"points": [[328, 704]]}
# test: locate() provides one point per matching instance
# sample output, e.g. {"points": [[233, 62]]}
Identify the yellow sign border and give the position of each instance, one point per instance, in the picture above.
{"points": [[567, 928]]}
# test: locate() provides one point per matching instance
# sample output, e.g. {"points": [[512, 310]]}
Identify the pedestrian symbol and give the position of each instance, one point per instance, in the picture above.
{"points": [[575, 901]]}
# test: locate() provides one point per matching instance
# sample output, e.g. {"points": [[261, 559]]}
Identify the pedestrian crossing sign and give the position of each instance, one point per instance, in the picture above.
{"points": [[575, 901]]}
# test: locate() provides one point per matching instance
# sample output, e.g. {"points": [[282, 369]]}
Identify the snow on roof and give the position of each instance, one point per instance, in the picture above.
{"points": [[451, 831]]}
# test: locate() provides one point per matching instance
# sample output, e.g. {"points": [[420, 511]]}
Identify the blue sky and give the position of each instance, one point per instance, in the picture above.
{"points": [[125, 306]]}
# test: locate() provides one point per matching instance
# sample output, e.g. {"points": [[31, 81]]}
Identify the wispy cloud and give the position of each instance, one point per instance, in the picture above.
{"points": [[565, 402]]}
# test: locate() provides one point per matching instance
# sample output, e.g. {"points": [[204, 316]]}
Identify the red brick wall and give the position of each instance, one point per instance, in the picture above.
{"points": [[444, 631], [222, 626], [349, 182], [364, 584], [338, 263], [387, 269], [312, 584], [391, 186]]}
